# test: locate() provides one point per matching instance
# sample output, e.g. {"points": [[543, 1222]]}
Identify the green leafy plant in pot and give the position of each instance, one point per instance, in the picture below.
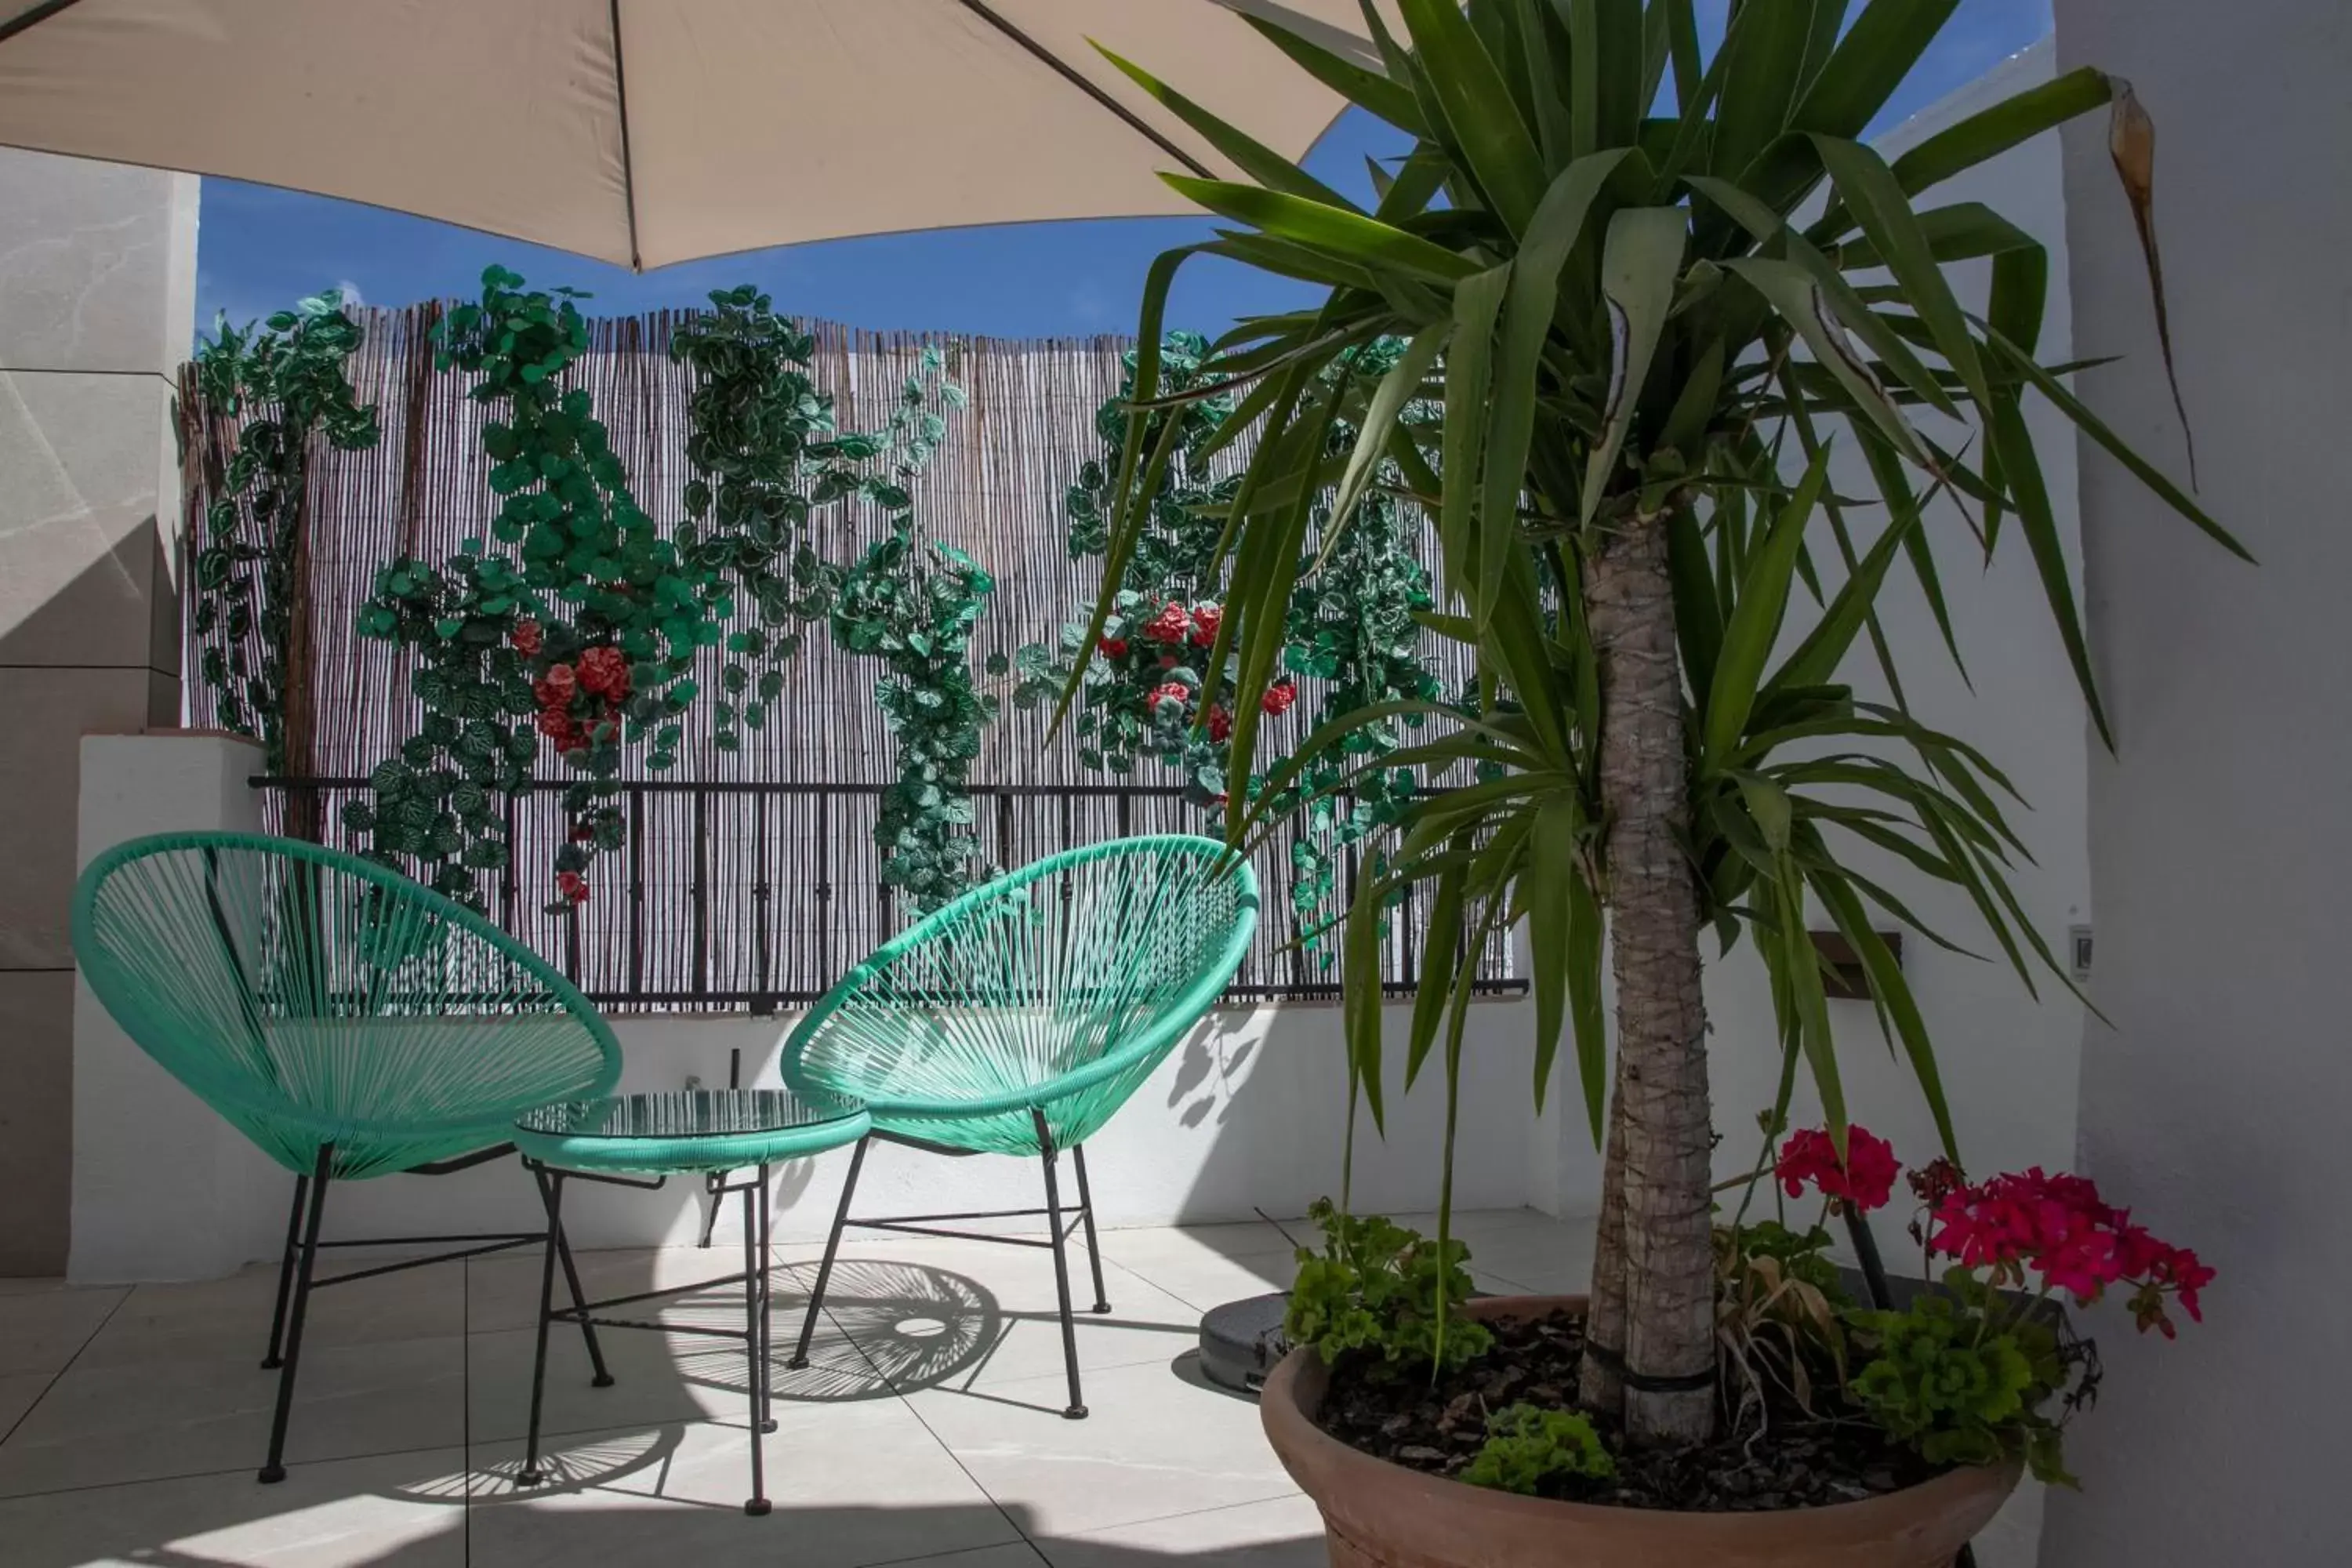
{"points": [[1645, 358]]}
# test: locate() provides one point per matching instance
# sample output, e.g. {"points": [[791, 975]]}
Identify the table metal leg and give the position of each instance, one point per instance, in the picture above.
{"points": [[754, 1368], [603, 1377], [767, 1308], [551, 1187]]}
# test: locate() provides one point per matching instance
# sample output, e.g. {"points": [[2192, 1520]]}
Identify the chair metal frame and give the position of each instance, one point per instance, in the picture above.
{"points": [[298, 1270], [1127, 1058]]}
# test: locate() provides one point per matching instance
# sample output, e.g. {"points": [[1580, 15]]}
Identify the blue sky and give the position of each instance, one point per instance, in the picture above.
{"points": [[261, 248]]}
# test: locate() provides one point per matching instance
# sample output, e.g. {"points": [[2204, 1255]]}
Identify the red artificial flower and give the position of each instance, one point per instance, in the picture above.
{"points": [[1205, 619], [582, 833], [1221, 723], [555, 723], [573, 886], [555, 688], [1173, 624], [1278, 698], [527, 637], [1112, 647], [1175, 691], [605, 672], [1864, 1181]]}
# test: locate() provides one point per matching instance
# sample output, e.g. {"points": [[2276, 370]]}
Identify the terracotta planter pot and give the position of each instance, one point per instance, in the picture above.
{"points": [[1379, 1515]]}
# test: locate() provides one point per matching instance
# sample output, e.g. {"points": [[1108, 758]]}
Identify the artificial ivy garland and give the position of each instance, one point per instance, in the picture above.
{"points": [[289, 371], [1148, 694], [580, 616]]}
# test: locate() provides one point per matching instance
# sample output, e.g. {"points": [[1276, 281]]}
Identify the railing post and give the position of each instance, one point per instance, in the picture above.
{"points": [[826, 966], [637, 886], [700, 983], [763, 1002]]}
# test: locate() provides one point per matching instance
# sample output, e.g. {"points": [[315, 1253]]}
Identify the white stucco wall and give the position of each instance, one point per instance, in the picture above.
{"points": [[1248, 1113], [2216, 1107], [98, 267]]}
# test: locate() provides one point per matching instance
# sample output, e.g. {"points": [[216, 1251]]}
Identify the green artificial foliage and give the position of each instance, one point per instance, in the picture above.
{"points": [[574, 578], [770, 458], [1382, 1289], [1175, 549], [581, 619], [767, 453], [1528, 1446], [1961, 1377], [288, 374], [916, 606], [1149, 696]]}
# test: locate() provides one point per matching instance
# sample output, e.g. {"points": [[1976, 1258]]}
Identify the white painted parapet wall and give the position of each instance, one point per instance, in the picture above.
{"points": [[1248, 1113]]}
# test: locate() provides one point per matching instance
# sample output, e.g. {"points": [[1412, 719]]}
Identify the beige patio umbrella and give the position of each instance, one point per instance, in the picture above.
{"points": [[650, 131]]}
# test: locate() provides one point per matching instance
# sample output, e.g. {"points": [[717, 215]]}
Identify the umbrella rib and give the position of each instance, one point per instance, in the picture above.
{"points": [[1077, 78], [628, 166], [33, 16]]}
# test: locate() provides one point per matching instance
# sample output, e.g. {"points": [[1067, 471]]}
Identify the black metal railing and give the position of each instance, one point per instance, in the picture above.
{"points": [[750, 896]]}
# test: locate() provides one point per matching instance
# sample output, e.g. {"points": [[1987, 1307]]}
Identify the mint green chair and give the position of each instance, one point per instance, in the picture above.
{"points": [[350, 1022], [1017, 1020]]}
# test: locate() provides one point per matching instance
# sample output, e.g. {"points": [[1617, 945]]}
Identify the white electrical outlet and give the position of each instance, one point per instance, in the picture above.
{"points": [[2078, 950]]}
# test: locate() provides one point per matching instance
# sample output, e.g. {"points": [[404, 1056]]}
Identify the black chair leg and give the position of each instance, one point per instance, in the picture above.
{"points": [[1078, 1406], [755, 1363], [831, 1246], [271, 1361], [714, 1199], [551, 1192], [767, 1336], [1086, 1213], [274, 1470], [603, 1378]]}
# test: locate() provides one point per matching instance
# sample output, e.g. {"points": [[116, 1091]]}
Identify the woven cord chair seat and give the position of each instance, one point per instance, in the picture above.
{"points": [[314, 998], [1055, 989]]}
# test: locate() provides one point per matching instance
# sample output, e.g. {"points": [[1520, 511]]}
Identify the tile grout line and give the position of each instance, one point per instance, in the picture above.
{"points": [[1188, 1514], [960, 1552], [206, 1475], [466, 1402], [1026, 1539], [56, 1376], [953, 1457]]}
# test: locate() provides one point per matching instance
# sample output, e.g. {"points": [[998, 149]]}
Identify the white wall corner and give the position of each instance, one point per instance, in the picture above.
{"points": [[163, 1188]]}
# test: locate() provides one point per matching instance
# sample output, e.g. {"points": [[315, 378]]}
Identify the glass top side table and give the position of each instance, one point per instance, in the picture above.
{"points": [[642, 1140]]}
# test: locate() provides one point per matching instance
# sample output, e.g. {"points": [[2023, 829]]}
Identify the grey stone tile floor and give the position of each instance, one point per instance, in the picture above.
{"points": [[927, 1428]]}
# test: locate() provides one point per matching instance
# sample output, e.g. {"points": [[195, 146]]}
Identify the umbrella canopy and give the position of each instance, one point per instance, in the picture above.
{"points": [[650, 131]]}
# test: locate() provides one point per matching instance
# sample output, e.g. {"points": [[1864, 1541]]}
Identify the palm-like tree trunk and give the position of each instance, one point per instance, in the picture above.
{"points": [[1600, 1383], [1669, 1310]]}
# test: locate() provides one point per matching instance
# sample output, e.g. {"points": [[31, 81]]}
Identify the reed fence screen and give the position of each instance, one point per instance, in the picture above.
{"points": [[752, 881]]}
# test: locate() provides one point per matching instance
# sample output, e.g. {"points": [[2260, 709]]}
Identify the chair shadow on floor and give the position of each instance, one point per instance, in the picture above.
{"points": [[894, 1328]]}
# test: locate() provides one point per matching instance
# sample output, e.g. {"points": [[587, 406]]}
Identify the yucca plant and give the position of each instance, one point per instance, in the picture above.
{"points": [[1644, 358]]}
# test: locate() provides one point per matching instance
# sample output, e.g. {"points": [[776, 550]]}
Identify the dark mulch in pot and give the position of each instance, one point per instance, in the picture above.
{"points": [[1797, 1461]]}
